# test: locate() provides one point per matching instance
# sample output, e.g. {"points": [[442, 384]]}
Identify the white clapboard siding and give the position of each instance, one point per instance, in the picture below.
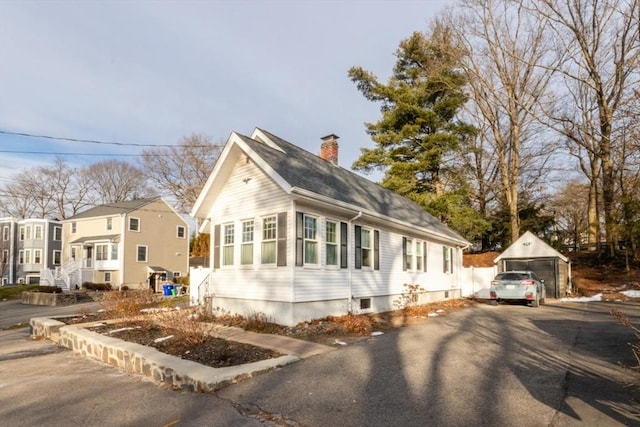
{"points": [[248, 193], [258, 284]]}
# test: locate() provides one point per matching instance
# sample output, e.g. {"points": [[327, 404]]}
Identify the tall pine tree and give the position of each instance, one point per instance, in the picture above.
{"points": [[419, 132]]}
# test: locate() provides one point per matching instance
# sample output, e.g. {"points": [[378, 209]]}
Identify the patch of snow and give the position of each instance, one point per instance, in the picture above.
{"points": [[597, 297], [157, 340], [340, 342], [632, 293], [440, 311], [120, 330], [433, 314], [375, 334]]}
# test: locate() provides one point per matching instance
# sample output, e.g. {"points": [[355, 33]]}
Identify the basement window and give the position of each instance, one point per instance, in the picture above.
{"points": [[365, 303]]}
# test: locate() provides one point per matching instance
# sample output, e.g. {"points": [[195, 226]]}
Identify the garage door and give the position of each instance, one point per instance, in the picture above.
{"points": [[545, 269]]}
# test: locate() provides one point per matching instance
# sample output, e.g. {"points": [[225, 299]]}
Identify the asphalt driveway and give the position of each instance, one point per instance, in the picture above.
{"points": [[509, 365], [557, 365]]}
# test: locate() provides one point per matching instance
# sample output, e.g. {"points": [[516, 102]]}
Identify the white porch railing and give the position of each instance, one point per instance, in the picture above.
{"points": [[199, 284]]}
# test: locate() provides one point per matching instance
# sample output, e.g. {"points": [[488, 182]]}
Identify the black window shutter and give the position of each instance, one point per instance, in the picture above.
{"points": [[358, 246], [343, 245], [404, 254], [376, 250], [299, 238], [216, 246], [424, 256], [282, 239]]}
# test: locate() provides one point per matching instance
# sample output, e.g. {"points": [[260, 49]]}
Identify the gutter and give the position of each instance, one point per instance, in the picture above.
{"points": [[350, 267]]}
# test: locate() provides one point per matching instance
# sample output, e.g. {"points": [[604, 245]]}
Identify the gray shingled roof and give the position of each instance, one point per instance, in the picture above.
{"points": [[310, 172], [114, 208]]}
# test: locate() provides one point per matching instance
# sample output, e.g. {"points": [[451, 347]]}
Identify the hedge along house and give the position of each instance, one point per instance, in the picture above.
{"points": [[296, 237], [530, 252]]}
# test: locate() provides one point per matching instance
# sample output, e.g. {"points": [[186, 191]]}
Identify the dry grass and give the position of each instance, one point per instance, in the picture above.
{"points": [[127, 303]]}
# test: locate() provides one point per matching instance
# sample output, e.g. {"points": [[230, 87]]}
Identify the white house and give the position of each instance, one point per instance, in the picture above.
{"points": [[296, 237]]}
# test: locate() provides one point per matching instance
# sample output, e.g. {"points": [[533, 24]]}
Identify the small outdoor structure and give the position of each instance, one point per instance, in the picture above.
{"points": [[530, 252]]}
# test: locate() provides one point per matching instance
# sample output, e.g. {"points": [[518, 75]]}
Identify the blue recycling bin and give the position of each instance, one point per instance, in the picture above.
{"points": [[166, 289]]}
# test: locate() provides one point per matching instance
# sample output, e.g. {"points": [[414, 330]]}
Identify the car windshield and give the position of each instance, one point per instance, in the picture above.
{"points": [[512, 276]]}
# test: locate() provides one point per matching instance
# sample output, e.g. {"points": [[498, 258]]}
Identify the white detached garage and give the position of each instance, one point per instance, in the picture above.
{"points": [[530, 252]]}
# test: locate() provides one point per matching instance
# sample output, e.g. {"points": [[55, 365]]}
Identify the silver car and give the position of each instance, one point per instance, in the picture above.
{"points": [[517, 286]]}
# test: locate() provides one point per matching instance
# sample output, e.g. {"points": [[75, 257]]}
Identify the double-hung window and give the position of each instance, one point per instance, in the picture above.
{"points": [[366, 241], [109, 223], [246, 246], [447, 259], [269, 236], [57, 234], [22, 233], [28, 232], [5, 233], [408, 259], [420, 264], [331, 241], [142, 253], [37, 256], [37, 231], [227, 244], [181, 232], [134, 224], [310, 240]]}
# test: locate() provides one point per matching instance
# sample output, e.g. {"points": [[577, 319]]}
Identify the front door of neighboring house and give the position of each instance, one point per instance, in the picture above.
{"points": [[89, 257]]}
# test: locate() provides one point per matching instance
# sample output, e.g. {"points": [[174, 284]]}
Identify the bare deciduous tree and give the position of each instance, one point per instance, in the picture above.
{"points": [[601, 43], [505, 48], [181, 171], [115, 181]]}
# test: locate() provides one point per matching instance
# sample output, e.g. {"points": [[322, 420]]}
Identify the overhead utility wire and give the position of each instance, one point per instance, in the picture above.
{"points": [[74, 154], [91, 141]]}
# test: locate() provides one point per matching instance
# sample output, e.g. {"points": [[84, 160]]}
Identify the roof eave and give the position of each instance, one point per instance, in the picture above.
{"points": [[310, 195]]}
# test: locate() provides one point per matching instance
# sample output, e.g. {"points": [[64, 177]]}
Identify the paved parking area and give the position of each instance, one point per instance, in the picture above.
{"points": [[562, 364]]}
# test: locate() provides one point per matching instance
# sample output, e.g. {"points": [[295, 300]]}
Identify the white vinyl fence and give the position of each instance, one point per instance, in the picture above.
{"points": [[476, 281]]}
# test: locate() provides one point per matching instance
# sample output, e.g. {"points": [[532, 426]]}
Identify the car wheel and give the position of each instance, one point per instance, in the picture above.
{"points": [[535, 302]]}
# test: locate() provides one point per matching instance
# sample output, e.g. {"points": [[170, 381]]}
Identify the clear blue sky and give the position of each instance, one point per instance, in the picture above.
{"points": [[151, 72]]}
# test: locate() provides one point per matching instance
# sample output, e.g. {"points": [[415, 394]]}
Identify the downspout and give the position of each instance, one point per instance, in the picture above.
{"points": [[349, 265]]}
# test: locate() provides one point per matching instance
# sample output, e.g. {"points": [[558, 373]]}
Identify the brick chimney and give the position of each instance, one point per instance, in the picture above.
{"points": [[329, 148]]}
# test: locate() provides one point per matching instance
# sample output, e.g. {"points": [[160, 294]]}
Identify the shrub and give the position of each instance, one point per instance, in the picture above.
{"points": [[48, 289], [127, 303], [96, 286], [260, 322], [357, 324]]}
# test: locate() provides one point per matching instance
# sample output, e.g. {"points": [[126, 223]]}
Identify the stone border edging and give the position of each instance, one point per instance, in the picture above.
{"points": [[147, 361]]}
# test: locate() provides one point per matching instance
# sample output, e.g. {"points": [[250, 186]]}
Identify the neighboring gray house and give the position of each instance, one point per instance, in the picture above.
{"points": [[530, 252], [297, 237], [28, 246]]}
